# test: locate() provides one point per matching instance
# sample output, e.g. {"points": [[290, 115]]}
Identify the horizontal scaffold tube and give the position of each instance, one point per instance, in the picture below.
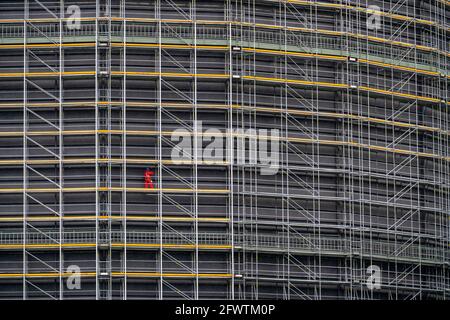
{"points": [[255, 25], [116, 245], [305, 83], [300, 54], [269, 110], [361, 174], [113, 189], [42, 218], [136, 274], [110, 160], [228, 135], [435, 259]]}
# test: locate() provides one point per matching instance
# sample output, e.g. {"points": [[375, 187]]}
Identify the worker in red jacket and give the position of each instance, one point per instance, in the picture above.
{"points": [[148, 182]]}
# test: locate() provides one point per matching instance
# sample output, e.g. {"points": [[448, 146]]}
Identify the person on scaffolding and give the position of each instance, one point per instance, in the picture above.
{"points": [[148, 182]]}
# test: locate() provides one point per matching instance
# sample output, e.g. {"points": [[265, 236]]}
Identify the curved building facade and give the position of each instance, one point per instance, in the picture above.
{"points": [[234, 149]]}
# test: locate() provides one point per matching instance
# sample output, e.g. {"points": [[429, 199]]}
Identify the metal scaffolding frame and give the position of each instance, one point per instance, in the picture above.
{"points": [[364, 172]]}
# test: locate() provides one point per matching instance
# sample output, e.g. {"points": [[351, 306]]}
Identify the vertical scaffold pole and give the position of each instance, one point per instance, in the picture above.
{"points": [[230, 142], [61, 150], [197, 145], [25, 151], [124, 148], [159, 142], [97, 171]]}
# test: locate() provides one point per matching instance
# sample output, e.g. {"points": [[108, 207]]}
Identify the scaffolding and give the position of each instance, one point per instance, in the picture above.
{"points": [[364, 164]]}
